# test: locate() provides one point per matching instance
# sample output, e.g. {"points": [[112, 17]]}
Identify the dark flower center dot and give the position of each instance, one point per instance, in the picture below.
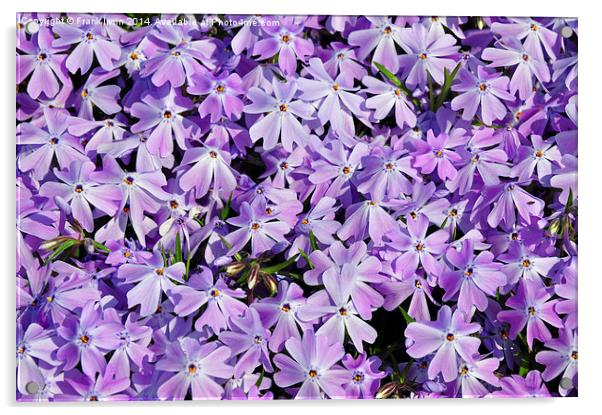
{"points": [[214, 292], [160, 272], [397, 92], [468, 272], [127, 253], [346, 170], [213, 154], [126, 209], [450, 337], [176, 53], [574, 355], [286, 307], [258, 339], [533, 27], [341, 56], [21, 349], [85, 93], [220, 88], [133, 56], [439, 153], [343, 311], [42, 56], [389, 166], [419, 246], [268, 210], [312, 373], [464, 370], [453, 213], [285, 38], [192, 369], [129, 180], [284, 165], [335, 86], [358, 377], [531, 310], [255, 226], [93, 398], [422, 56], [305, 221], [387, 30], [84, 339], [539, 154], [413, 215], [89, 36], [167, 114], [525, 57], [504, 334], [79, 188], [174, 204], [526, 263], [54, 140], [283, 107], [418, 284], [482, 87]]}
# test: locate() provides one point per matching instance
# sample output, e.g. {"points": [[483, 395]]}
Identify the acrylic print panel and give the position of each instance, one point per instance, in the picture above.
{"points": [[309, 207]]}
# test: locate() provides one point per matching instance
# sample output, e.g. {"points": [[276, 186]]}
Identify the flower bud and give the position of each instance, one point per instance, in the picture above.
{"points": [[253, 276], [387, 390]]}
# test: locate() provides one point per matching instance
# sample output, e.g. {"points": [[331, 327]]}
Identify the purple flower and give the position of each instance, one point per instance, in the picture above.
{"points": [[281, 120], [248, 340], [386, 97], [516, 386], [211, 170], [364, 376], [263, 229], [222, 95], [429, 52], [197, 367], [162, 114], [528, 61], [104, 386], [531, 306], [450, 336], [33, 343], [90, 43], [153, 278], [484, 90], [438, 153], [286, 40], [561, 359], [314, 364], [541, 156], [382, 36], [475, 277], [386, 174]]}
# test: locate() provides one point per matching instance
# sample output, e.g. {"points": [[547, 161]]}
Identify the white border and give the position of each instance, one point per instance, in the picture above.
{"points": [[590, 171]]}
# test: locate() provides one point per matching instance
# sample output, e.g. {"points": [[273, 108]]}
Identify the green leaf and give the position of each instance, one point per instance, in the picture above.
{"points": [[178, 248], [225, 212], [312, 241], [164, 255], [306, 258], [448, 79], [100, 247], [569, 202], [275, 268], [406, 316], [62, 248]]}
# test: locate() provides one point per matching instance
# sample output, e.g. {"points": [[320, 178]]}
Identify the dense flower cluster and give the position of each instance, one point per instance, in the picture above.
{"points": [[296, 207]]}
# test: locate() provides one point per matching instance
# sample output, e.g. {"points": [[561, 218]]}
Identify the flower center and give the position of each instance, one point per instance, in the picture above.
{"points": [[173, 204], [129, 180], [335, 86], [341, 56], [84, 339], [192, 369], [346, 170], [312, 374], [389, 166], [133, 56], [127, 253], [422, 56], [54, 140], [284, 165], [160, 272], [93, 398], [450, 337], [283, 107], [526, 263], [213, 154], [574, 355], [531, 311], [220, 88], [285, 38], [21, 349], [439, 153], [258, 339], [214, 292], [79, 188], [533, 27], [176, 53], [419, 246], [285, 308], [413, 215], [474, 159], [387, 30], [167, 114], [343, 311], [453, 213], [464, 370], [418, 284], [525, 57], [468, 272], [42, 56], [358, 377], [539, 154], [255, 226], [397, 92], [89, 36], [85, 93], [482, 87]]}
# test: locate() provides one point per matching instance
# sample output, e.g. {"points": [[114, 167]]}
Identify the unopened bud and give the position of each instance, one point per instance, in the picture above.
{"points": [[253, 276], [387, 390], [270, 283], [235, 268], [53, 243]]}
